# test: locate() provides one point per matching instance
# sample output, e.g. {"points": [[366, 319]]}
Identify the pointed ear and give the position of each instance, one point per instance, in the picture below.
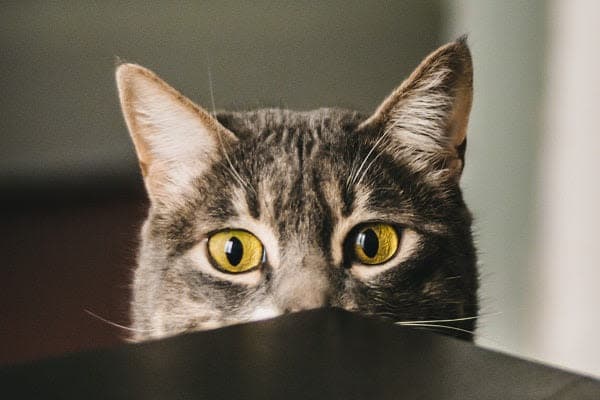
{"points": [[175, 140], [427, 116]]}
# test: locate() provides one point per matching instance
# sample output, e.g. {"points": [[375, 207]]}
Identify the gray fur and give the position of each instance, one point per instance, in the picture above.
{"points": [[307, 179]]}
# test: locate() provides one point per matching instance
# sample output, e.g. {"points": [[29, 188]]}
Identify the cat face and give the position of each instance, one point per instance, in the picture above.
{"points": [[256, 214]]}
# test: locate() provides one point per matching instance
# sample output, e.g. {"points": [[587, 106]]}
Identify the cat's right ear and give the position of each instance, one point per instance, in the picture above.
{"points": [[175, 139], [426, 117]]}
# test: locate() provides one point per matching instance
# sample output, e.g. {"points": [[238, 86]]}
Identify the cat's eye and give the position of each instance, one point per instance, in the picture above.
{"points": [[375, 243], [235, 251]]}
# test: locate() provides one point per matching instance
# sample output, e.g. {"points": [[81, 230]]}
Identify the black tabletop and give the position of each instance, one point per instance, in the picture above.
{"points": [[322, 354]]}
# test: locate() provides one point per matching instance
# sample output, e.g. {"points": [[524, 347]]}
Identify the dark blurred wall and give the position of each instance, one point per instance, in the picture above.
{"points": [[71, 198]]}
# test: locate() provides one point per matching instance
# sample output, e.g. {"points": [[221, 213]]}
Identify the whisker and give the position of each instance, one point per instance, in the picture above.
{"points": [[369, 166], [438, 326], [356, 175], [117, 325], [454, 328], [385, 134], [210, 87], [451, 319], [233, 171]]}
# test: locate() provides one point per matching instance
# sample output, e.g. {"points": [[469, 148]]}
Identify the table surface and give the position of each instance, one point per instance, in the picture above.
{"points": [[320, 354]]}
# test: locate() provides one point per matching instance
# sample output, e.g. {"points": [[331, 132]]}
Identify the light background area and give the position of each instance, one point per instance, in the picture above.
{"points": [[531, 174]]}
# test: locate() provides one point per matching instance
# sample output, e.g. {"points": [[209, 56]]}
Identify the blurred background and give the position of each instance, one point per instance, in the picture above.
{"points": [[72, 199]]}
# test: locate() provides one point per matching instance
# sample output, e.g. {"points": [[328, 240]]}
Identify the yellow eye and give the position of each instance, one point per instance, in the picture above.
{"points": [[375, 243], [235, 251]]}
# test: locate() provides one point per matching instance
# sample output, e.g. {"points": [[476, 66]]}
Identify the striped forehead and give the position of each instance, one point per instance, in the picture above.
{"points": [[294, 185], [294, 188]]}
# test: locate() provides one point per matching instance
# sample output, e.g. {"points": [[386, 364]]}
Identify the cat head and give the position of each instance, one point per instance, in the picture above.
{"points": [[255, 214]]}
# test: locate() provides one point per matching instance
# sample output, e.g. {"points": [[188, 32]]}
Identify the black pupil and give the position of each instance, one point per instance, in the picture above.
{"points": [[234, 251], [367, 239]]}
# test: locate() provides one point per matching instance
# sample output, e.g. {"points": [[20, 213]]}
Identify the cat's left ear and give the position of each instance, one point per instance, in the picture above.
{"points": [[426, 117]]}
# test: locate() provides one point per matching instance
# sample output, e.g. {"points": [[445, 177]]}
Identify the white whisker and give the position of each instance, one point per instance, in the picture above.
{"points": [[234, 172], [210, 87], [358, 176], [438, 326], [117, 325], [453, 328], [450, 320], [367, 156], [232, 169], [369, 166]]}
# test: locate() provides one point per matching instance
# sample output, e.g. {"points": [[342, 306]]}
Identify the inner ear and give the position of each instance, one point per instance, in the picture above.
{"points": [[428, 113], [174, 138]]}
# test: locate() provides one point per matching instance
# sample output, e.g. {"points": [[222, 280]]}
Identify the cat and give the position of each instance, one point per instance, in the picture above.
{"points": [[261, 213]]}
